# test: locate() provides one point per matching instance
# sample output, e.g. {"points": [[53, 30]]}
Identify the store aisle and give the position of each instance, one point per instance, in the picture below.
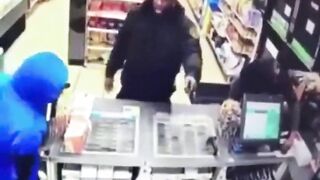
{"points": [[47, 30]]}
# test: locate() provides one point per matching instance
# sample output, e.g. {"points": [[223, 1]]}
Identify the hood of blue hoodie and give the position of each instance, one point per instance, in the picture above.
{"points": [[40, 79]]}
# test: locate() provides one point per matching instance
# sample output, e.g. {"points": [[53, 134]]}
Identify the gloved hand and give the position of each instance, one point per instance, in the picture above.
{"points": [[312, 82], [108, 84], [190, 84], [60, 124]]}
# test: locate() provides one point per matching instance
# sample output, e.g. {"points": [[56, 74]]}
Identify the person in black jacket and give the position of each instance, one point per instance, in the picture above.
{"points": [[263, 76], [156, 39]]}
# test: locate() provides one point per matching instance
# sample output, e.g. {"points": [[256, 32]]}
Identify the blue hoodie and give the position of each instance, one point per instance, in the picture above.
{"points": [[23, 100]]}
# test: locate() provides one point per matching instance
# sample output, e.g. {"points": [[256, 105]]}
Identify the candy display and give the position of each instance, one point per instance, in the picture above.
{"points": [[101, 5], [245, 12], [101, 39], [234, 34], [104, 19], [104, 23]]}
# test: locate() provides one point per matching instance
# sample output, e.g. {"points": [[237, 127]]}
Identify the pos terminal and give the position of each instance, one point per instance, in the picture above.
{"points": [[260, 122]]}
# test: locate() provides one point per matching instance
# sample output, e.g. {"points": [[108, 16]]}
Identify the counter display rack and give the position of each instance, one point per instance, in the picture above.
{"points": [[103, 21], [196, 122]]}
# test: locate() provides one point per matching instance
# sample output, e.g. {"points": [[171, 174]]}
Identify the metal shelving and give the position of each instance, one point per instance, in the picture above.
{"points": [[109, 15], [233, 18]]}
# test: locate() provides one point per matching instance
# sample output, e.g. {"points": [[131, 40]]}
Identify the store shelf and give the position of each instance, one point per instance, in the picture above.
{"points": [[225, 10], [11, 14], [217, 18], [236, 45], [239, 16], [108, 31], [108, 14], [241, 30], [99, 48], [226, 72]]}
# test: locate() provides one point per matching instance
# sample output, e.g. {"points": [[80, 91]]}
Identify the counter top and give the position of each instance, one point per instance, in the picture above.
{"points": [[145, 154]]}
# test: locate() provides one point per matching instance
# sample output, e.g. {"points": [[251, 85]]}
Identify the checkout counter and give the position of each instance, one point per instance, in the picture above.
{"points": [[145, 152]]}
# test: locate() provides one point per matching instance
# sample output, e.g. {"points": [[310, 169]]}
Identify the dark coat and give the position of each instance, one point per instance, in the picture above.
{"points": [[151, 49], [259, 78]]}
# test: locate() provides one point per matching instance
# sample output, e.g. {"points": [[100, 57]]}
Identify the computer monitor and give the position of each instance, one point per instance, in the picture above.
{"points": [[261, 119]]}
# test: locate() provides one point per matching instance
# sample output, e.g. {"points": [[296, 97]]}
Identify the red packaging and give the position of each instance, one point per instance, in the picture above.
{"points": [[95, 5], [103, 23], [107, 6], [93, 22]]}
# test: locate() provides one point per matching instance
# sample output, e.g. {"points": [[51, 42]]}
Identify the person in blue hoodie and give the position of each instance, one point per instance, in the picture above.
{"points": [[23, 100]]}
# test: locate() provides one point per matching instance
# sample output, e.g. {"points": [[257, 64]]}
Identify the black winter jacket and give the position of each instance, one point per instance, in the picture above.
{"points": [[259, 78], [151, 49]]}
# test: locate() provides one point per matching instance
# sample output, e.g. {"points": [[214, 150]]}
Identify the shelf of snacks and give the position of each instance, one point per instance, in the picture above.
{"points": [[224, 8], [101, 47], [104, 19], [197, 8], [218, 24], [244, 32], [108, 15], [230, 63], [245, 12], [234, 34], [238, 44], [102, 30]]}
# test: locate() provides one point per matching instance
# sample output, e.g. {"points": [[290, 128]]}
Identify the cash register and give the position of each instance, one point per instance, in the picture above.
{"points": [[260, 123]]}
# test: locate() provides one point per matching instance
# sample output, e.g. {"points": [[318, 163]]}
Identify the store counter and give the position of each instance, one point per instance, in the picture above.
{"points": [[155, 152]]}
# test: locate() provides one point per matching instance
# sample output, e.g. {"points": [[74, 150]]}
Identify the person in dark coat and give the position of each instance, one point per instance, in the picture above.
{"points": [[156, 39], [263, 76]]}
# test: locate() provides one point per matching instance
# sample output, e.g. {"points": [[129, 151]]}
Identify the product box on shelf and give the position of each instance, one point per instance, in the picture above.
{"points": [[79, 126], [76, 134], [307, 26]]}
